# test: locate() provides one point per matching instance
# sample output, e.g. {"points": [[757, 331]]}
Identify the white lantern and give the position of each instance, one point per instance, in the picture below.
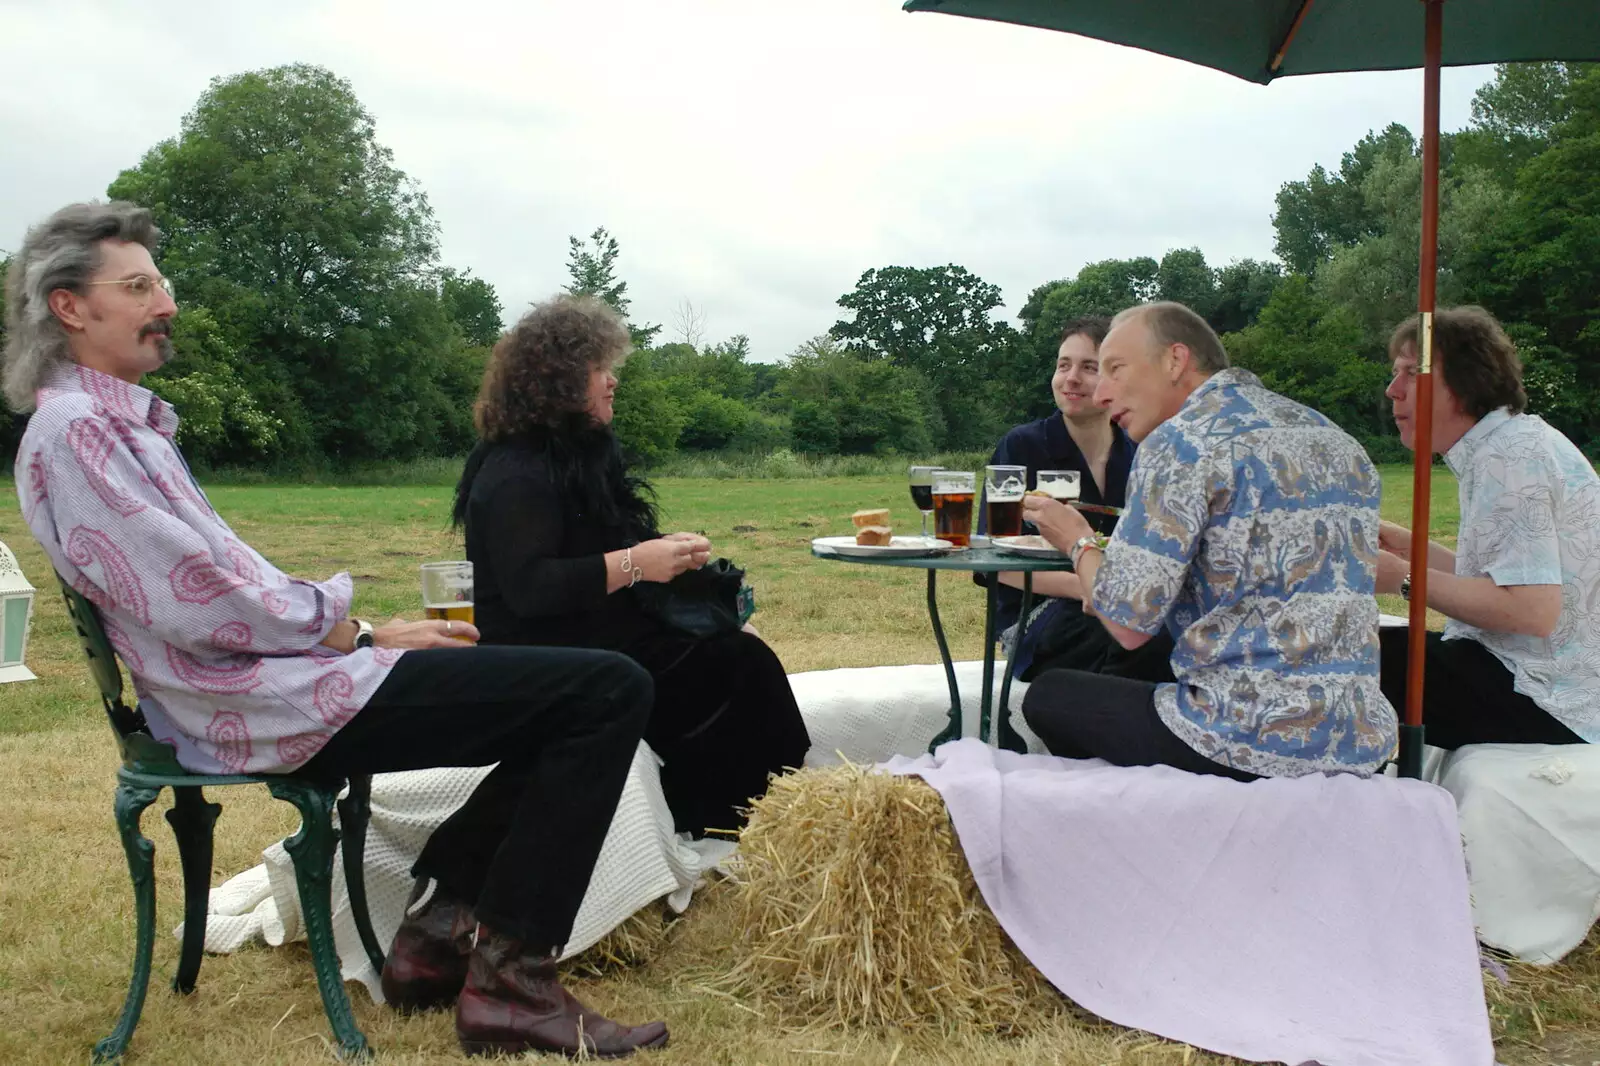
{"points": [[16, 610]]}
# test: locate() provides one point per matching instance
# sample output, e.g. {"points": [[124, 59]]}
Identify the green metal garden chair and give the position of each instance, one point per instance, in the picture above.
{"points": [[148, 766]]}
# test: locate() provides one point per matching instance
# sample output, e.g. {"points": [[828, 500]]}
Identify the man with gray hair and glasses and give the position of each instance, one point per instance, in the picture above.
{"points": [[1251, 536], [243, 669], [1519, 659]]}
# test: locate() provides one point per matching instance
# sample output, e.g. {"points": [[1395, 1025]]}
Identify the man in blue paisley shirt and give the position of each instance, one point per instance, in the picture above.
{"points": [[1251, 536]]}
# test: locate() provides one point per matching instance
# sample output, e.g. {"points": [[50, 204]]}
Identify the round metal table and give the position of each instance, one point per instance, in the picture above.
{"points": [[975, 560]]}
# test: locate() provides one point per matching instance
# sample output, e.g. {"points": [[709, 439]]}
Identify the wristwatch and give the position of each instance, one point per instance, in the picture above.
{"points": [[1405, 589], [1079, 546], [363, 633]]}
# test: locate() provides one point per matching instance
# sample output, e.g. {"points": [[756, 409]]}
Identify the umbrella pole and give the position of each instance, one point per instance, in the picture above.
{"points": [[1411, 731]]}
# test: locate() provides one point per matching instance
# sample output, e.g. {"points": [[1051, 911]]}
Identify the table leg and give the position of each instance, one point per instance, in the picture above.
{"points": [[1010, 739], [952, 729], [985, 704]]}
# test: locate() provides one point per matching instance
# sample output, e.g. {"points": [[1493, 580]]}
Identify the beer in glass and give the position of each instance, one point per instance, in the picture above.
{"points": [[1003, 487], [952, 506], [447, 593]]}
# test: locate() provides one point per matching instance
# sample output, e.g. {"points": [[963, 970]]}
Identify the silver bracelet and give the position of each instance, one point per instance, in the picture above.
{"points": [[628, 567]]}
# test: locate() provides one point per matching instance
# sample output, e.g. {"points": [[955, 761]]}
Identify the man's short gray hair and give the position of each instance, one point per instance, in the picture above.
{"points": [[62, 252], [1172, 323]]}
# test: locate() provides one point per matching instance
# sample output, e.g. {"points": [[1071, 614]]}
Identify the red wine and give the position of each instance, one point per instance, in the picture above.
{"points": [[922, 497]]}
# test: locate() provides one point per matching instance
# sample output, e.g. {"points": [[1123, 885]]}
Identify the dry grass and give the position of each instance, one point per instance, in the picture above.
{"points": [[66, 921]]}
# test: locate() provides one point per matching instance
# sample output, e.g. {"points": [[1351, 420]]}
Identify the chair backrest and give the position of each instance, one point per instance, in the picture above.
{"points": [[140, 750]]}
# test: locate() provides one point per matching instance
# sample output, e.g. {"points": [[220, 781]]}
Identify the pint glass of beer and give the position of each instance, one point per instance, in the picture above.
{"points": [[447, 592], [1063, 485], [952, 506], [1003, 487]]}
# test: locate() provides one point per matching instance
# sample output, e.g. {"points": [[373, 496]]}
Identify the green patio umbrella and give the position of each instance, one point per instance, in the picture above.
{"points": [[1260, 40]]}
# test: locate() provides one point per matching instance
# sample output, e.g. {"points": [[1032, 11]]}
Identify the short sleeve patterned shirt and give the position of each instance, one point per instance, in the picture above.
{"points": [[1530, 515], [1251, 534]]}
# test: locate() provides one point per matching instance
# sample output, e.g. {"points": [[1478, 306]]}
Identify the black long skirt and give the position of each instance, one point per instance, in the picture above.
{"points": [[724, 720]]}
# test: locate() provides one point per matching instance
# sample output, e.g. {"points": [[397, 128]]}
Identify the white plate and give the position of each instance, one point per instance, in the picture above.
{"points": [[897, 548], [1033, 546]]}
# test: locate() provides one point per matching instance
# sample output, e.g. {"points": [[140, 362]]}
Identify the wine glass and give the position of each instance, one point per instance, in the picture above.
{"points": [[922, 492]]}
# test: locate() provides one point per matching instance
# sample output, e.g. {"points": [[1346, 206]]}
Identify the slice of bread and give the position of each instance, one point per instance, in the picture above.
{"points": [[876, 516], [874, 535]]}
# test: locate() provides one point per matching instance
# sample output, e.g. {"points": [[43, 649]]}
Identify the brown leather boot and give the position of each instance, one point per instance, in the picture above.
{"points": [[427, 964], [514, 1002]]}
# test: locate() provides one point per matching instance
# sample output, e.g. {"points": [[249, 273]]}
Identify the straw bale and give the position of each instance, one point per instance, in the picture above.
{"points": [[854, 906]]}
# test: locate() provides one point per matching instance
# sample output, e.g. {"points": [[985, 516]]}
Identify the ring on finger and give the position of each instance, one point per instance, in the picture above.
{"points": [[448, 627]]}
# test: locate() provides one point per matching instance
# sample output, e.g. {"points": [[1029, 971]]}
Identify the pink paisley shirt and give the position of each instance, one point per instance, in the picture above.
{"points": [[224, 648]]}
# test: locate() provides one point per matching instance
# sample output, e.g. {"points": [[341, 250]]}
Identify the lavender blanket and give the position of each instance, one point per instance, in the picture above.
{"points": [[1316, 920]]}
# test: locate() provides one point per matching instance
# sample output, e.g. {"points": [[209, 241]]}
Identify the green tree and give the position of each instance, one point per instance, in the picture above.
{"points": [[1541, 264], [1325, 212], [1034, 306], [839, 401], [473, 306], [647, 419], [1310, 349], [721, 368], [1376, 277], [592, 267], [287, 219], [1514, 115], [1244, 287], [1185, 277], [937, 322], [814, 429], [220, 420]]}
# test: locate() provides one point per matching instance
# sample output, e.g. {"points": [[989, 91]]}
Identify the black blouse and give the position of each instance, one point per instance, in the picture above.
{"points": [[538, 561]]}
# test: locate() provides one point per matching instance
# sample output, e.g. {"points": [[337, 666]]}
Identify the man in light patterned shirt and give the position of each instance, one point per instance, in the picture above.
{"points": [[244, 669], [1519, 659], [1251, 535]]}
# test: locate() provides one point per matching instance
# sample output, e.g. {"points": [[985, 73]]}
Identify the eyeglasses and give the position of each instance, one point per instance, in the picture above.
{"points": [[142, 286]]}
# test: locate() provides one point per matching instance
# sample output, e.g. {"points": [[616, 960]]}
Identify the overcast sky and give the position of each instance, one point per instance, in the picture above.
{"points": [[752, 157]]}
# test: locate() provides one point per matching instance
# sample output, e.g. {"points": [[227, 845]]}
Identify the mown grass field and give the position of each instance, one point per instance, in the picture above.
{"points": [[66, 908]]}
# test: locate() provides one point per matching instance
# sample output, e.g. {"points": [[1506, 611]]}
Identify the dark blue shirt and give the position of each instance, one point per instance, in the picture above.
{"points": [[1046, 445]]}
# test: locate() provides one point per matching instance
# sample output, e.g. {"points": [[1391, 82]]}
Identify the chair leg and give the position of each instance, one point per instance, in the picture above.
{"points": [[312, 851], [355, 810], [131, 801], [192, 819]]}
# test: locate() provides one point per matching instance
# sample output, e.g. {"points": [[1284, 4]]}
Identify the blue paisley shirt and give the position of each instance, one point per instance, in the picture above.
{"points": [[1251, 533]]}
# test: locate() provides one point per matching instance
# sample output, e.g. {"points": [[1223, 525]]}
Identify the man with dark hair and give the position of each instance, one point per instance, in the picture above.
{"points": [[244, 669], [1519, 659], [1251, 538], [1079, 436]]}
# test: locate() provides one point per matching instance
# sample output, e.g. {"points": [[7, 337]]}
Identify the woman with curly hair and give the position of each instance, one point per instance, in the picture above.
{"points": [[559, 533]]}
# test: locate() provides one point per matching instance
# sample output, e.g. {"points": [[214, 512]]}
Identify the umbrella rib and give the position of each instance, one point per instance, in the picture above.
{"points": [[1288, 38]]}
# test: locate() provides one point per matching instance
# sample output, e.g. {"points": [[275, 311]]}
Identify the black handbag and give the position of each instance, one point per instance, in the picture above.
{"points": [[701, 603]]}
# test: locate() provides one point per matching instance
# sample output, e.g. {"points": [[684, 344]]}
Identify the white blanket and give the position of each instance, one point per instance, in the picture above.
{"points": [[642, 860], [1318, 919], [1530, 815]]}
